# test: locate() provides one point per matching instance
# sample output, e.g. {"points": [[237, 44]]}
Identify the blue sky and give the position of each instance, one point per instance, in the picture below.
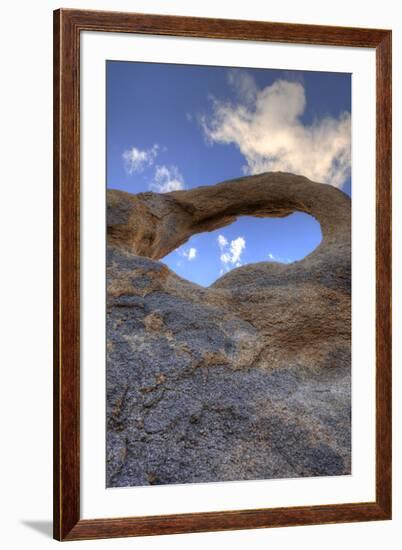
{"points": [[181, 126]]}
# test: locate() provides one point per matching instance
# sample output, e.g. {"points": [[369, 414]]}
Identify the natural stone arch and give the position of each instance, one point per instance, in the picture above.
{"points": [[265, 349], [152, 225]]}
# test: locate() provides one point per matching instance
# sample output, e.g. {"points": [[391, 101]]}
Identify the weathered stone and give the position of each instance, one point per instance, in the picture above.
{"points": [[246, 379]]}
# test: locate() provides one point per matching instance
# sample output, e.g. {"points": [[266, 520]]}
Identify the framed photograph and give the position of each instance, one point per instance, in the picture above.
{"points": [[222, 274]]}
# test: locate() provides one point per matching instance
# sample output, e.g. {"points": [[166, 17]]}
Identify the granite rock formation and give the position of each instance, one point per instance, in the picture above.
{"points": [[246, 379]]}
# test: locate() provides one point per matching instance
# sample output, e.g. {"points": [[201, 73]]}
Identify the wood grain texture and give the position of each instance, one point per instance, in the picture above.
{"points": [[220, 521], [232, 29], [67, 27], [66, 278], [384, 275]]}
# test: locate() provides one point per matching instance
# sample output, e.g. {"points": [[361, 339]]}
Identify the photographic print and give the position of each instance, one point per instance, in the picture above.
{"points": [[203, 275], [228, 274]]}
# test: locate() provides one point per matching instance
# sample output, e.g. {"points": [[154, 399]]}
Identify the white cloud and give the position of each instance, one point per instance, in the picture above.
{"points": [[266, 126], [189, 253], [166, 179], [230, 252], [225, 258], [222, 241], [135, 160], [236, 248]]}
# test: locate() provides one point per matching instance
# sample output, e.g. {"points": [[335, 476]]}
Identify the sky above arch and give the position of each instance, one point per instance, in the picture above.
{"points": [[175, 127]]}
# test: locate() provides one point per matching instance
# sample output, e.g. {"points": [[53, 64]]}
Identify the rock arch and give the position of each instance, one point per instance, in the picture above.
{"points": [[152, 225], [265, 350]]}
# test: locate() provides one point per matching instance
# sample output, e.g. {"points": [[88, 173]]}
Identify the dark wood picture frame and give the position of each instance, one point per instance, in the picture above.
{"points": [[68, 24]]}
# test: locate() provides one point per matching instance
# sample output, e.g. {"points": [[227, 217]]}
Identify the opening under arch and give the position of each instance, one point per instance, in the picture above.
{"points": [[205, 257]]}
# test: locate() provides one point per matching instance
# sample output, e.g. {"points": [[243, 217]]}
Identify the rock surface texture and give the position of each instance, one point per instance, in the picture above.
{"points": [[247, 379]]}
